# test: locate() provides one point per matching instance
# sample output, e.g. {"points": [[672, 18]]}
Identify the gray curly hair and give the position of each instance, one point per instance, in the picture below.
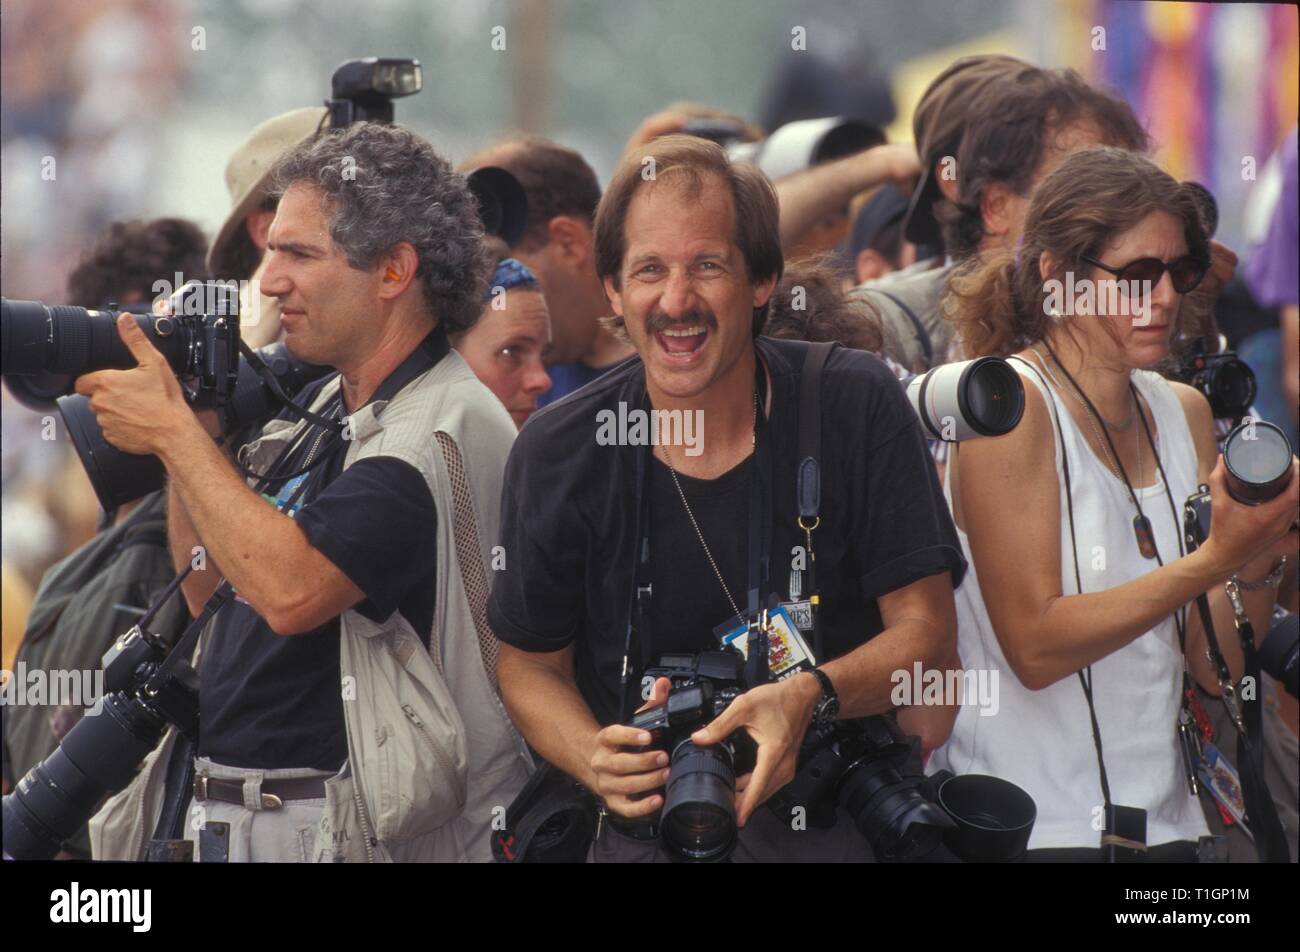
{"points": [[384, 185]]}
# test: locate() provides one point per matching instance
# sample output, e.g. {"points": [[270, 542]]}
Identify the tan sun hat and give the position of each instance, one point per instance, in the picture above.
{"points": [[248, 173]]}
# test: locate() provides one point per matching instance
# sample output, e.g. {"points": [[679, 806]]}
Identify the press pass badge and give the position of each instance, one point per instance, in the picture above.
{"points": [[800, 613], [1221, 778], [786, 648]]}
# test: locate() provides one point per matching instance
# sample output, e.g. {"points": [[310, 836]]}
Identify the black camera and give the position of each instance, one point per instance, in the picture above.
{"points": [[698, 819], [46, 347], [1226, 380], [1257, 463], [1257, 467], [119, 477], [102, 752], [854, 765], [198, 336]]}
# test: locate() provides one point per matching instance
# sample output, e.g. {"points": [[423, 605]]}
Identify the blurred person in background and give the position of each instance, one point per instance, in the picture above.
{"points": [[239, 249], [876, 245], [987, 130], [1117, 623], [130, 257], [1273, 274], [505, 347], [49, 507], [562, 193], [697, 119]]}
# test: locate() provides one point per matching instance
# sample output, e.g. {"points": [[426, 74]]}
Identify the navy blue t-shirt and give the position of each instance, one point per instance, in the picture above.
{"points": [[271, 701]]}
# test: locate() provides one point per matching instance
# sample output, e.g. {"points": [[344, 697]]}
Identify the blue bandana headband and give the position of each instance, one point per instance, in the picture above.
{"points": [[509, 274]]}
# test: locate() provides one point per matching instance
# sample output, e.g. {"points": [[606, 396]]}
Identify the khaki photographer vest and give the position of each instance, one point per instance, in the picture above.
{"points": [[431, 750]]}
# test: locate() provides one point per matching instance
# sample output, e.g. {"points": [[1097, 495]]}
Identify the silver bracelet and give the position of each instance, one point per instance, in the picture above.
{"points": [[1269, 581]]}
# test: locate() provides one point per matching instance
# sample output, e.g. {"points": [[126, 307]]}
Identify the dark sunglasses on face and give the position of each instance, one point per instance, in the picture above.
{"points": [[1185, 273]]}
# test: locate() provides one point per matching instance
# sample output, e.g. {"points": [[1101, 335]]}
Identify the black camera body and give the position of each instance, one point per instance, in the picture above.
{"points": [[703, 686], [198, 336], [1226, 380], [132, 666], [698, 819]]}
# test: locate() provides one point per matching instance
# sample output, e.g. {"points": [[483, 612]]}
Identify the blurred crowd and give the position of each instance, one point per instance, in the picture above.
{"points": [[886, 248]]}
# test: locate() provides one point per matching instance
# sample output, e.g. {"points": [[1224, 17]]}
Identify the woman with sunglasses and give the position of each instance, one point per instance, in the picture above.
{"points": [[1071, 523]]}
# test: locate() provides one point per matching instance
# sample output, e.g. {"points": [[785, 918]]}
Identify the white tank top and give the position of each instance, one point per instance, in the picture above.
{"points": [[1042, 740]]}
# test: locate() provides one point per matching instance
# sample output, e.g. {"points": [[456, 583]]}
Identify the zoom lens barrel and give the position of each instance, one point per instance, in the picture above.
{"points": [[98, 757], [699, 815]]}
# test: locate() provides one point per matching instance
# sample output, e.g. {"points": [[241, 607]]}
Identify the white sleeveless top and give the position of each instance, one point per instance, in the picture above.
{"points": [[1042, 740]]}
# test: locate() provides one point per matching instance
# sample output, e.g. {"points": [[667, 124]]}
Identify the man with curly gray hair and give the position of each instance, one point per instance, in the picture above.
{"points": [[348, 690]]}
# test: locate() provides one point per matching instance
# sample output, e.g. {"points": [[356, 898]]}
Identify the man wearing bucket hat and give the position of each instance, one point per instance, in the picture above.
{"points": [[238, 250], [987, 130]]}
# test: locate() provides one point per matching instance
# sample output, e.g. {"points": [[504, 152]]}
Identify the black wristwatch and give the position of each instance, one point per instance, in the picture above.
{"points": [[828, 708]]}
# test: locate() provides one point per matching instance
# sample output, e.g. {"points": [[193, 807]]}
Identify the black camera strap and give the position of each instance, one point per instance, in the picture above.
{"points": [[808, 486], [268, 377], [639, 626], [1261, 812]]}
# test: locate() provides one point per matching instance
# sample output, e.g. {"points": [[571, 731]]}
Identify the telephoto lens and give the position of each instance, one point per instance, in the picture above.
{"points": [[98, 757], [1257, 458], [887, 807], [63, 339], [698, 822], [981, 397], [118, 477], [101, 753]]}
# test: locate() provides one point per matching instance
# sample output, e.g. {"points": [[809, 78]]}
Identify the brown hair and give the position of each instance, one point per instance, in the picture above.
{"points": [[556, 180], [1010, 130], [129, 256], [997, 301], [692, 160], [823, 313]]}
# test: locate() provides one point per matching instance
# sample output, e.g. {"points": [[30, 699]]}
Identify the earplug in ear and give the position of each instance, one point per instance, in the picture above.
{"points": [[392, 275]]}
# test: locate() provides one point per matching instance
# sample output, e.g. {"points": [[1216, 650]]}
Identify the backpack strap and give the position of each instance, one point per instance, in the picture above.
{"points": [[921, 333]]}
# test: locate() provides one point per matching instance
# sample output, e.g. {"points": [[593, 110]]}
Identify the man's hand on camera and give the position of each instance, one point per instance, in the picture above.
{"points": [[620, 774], [140, 409], [777, 718]]}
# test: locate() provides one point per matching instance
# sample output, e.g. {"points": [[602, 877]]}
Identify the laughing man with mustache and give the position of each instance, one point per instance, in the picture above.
{"points": [[688, 250]]}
